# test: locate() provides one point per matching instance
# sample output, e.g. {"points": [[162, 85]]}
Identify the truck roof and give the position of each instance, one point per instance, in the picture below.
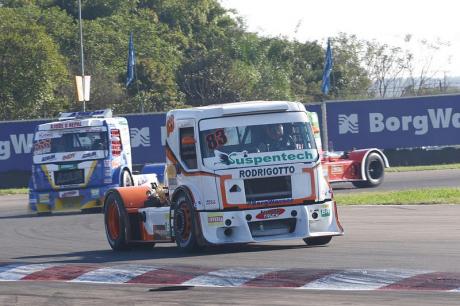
{"points": [[79, 123], [236, 108], [73, 120]]}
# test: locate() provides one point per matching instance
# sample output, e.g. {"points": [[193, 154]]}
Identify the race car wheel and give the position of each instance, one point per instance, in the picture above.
{"points": [[185, 224], [375, 172], [317, 240], [116, 222], [126, 179]]}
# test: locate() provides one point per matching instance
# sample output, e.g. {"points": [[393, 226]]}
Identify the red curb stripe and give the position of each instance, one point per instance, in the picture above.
{"points": [[438, 281], [64, 273], [288, 278], [170, 275]]}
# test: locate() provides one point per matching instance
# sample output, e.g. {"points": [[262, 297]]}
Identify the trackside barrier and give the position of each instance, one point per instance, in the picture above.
{"points": [[386, 124]]}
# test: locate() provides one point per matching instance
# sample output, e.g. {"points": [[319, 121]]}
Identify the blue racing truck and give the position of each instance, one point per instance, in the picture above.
{"points": [[78, 158]]}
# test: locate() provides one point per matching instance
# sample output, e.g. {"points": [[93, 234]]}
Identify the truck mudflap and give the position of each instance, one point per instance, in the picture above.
{"points": [[280, 223]]}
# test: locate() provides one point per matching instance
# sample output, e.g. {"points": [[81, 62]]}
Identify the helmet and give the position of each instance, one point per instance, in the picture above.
{"points": [[275, 131]]}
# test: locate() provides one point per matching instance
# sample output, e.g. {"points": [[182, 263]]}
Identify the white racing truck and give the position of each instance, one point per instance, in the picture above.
{"points": [[235, 173]]}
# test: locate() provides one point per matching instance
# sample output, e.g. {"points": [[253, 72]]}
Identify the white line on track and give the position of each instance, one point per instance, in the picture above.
{"points": [[232, 277], [360, 279], [114, 275], [16, 272]]}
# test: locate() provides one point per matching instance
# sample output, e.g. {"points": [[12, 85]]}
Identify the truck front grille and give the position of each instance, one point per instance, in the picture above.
{"points": [[268, 188]]}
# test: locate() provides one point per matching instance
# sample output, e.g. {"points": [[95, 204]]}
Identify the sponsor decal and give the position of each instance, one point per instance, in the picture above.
{"points": [[281, 170], [107, 163], [439, 118], [48, 158], [95, 193], [236, 159], [434, 118], [68, 156], [65, 125], [33, 201], [211, 203], [69, 193], [68, 167], [325, 212], [274, 201], [348, 124], [169, 125], [271, 213], [108, 180], [43, 135], [18, 144], [44, 198], [140, 137], [336, 169], [90, 154], [215, 219]]}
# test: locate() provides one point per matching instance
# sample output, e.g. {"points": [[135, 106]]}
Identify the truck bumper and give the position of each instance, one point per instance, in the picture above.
{"points": [[281, 223], [78, 199]]}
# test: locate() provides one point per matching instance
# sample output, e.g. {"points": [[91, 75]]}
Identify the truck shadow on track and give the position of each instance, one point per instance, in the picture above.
{"points": [[23, 215], [164, 252]]}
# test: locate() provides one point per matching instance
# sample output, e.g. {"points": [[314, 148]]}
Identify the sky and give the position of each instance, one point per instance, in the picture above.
{"points": [[384, 21]]}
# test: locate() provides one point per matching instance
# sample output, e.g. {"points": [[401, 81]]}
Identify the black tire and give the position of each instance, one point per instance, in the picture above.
{"points": [[375, 172], [126, 179], [116, 222], [185, 227], [318, 240]]}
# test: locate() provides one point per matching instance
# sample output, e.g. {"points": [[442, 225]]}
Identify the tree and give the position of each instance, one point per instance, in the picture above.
{"points": [[32, 71], [350, 80]]}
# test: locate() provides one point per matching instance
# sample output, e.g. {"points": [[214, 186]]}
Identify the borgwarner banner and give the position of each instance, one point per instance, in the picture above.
{"points": [[394, 123], [16, 140]]}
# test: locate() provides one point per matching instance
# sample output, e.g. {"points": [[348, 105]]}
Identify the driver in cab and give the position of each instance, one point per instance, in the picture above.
{"points": [[276, 139]]}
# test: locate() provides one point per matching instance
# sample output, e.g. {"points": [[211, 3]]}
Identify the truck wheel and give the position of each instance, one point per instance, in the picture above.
{"points": [[126, 179], [185, 225], [375, 172], [318, 240], [116, 222]]}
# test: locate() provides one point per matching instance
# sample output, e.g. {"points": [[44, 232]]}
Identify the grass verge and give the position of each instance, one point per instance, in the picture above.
{"points": [[14, 191], [412, 196], [422, 168]]}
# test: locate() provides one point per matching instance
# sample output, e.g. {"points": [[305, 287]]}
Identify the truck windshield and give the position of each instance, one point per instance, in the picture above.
{"points": [[246, 145], [71, 142]]}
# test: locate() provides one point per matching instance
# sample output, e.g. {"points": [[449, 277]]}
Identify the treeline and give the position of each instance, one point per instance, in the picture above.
{"points": [[188, 53]]}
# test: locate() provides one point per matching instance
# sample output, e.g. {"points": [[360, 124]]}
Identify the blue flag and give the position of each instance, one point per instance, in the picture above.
{"points": [[327, 69], [131, 61]]}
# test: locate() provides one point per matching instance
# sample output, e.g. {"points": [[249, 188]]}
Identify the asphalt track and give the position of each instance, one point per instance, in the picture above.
{"points": [[403, 240]]}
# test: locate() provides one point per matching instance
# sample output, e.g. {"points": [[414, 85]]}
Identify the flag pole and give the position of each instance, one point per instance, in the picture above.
{"points": [[82, 55], [325, 89]]}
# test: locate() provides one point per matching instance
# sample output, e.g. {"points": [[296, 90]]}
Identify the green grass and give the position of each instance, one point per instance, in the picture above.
{"points": [[413, 196], [422, 168], [14, 191]]}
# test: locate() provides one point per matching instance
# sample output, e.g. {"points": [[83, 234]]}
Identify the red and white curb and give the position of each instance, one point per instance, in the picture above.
{"points": [[313, 279]]}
